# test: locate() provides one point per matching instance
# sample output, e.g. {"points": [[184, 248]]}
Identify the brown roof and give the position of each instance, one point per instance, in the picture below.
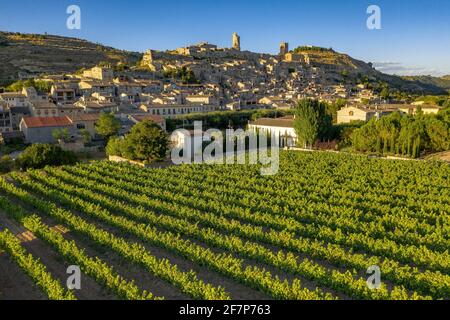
{"points": [[64, 89], [422, 106], [98, 105], [154, 118], [39, 122], [285, 122], [85, 117], [12, 95], [43, 105]]}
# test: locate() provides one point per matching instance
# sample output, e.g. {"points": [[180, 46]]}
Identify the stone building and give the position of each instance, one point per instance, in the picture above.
{"points": [[148, 57], [293, 57], [284, 48], [236, 42], [99, 73], [40, 130], [349, 114]]}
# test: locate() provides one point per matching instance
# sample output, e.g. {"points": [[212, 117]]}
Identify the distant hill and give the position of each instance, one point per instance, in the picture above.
{"points": [[335, 63], [23, 55], [442, 82]]}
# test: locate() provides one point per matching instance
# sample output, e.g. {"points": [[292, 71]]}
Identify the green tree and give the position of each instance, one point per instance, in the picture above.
{"points": [[334, 107], [439, 134], [320, 114], [107, 125], [146, 142], [306, 123], [385, 94], [61, 134], [115, 146], [185, 74], [39, 85], [403, 134], [85, 135], [365, 138], [40, 155]]}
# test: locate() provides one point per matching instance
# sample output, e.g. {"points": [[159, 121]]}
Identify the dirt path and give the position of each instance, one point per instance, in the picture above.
{"points": [[15, 284], [56, 265]]}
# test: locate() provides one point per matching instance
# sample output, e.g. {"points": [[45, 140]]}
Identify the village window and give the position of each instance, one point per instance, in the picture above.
{"points": [[81, 126], [351, 113]]}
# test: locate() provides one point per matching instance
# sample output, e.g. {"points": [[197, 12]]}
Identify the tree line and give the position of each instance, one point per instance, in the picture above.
{"points": [[405, 135], [396, 134]]}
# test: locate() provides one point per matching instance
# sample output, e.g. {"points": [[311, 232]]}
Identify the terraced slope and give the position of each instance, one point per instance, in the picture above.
{"points": [[27, 54]]}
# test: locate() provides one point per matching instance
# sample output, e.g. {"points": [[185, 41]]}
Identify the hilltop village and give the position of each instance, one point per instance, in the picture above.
{"points": [[199, 78]]}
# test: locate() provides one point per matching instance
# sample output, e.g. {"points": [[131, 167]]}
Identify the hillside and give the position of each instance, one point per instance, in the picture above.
{"points": [[443, 82], [23, 55], [335, 63]]}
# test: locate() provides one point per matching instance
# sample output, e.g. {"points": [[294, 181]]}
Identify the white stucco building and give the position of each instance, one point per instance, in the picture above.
{"points": [[282, 127]]}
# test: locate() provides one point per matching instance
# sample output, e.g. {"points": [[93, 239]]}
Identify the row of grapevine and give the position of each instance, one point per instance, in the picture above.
{"points": [[35, 269], [335, 214], [433, 283], [344, 282], [385, 247], [225, 264], [186, 281], [93, 267]]}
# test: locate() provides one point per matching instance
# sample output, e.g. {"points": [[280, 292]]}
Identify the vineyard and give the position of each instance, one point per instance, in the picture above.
{"points": [[226, 232]]}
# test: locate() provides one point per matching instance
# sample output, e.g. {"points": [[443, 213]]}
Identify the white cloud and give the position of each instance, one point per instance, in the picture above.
{"points": [[398, 68]]}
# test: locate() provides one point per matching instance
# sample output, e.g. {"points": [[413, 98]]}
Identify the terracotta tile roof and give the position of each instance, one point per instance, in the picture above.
{"points": [[98, 105], [43, 105], [142, 117], [12, 95], [85, 117], [39, 122]]}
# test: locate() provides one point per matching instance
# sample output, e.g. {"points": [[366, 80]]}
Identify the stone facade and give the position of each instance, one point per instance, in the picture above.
{"points": [[236, 42], [284, 48]]}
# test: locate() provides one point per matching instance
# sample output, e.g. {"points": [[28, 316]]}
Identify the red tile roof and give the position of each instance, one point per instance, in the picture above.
{"points": [[39, 122], [85, 117], [154, 118]]}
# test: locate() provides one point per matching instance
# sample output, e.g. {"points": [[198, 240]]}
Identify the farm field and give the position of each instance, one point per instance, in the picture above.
{"points": [[226, 232]]}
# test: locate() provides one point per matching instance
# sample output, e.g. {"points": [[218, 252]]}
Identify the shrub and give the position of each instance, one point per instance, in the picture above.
{"points": [[40, 155], [6, 164]]}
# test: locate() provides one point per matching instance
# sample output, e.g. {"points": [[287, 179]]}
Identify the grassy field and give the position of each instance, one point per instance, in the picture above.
{"points": [[226, 232]]}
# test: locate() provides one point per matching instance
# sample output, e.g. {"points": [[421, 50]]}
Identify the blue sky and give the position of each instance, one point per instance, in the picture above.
{"points": [[414, 39]]}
